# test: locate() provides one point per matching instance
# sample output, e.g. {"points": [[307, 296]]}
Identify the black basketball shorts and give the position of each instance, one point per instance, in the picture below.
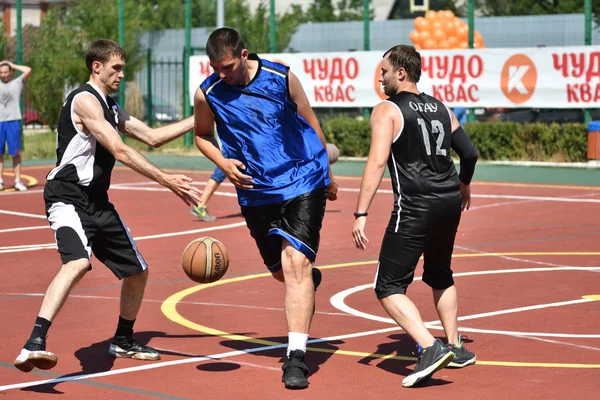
{"points": [[431, 235], [297, 220], [100, 230]]}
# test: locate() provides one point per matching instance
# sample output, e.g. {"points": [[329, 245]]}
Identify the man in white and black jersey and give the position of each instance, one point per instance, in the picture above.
{"points": [[413, 133], [77, 205]]}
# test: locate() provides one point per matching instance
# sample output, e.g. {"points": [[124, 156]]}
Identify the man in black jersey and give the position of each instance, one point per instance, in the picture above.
{"points": [[413, 133], [77, 205]]}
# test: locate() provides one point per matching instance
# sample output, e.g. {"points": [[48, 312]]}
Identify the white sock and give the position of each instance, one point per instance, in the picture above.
{"points": [[297, 341]]}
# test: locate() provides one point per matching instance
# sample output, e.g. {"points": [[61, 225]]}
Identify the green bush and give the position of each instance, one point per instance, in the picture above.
{"points": [[493, 140]]}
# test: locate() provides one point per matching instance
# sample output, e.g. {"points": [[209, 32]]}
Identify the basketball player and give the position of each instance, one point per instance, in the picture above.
{"points": [[413, 132], [77, 205], [278, 164]]}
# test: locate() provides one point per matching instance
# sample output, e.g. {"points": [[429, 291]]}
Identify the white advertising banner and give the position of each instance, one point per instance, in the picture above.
{"points": [[546, 77]]}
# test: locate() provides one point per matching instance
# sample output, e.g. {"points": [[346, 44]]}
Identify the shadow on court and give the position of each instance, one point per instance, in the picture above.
{"points": [[95, 358], [314, 359], [402, 345]]}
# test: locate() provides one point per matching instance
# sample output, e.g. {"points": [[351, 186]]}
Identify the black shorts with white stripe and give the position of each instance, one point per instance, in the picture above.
{"points": [[82, 227]]}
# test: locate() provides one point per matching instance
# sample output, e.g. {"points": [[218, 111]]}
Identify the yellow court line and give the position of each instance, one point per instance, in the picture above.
{"points": [[31, 181], [169, 309]]}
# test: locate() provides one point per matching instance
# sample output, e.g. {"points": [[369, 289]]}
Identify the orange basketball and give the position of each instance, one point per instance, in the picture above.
{"points": [[205, 260]]}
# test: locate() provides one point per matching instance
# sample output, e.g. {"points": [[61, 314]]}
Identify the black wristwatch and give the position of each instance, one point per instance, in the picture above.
{"points": [[358, 215]]}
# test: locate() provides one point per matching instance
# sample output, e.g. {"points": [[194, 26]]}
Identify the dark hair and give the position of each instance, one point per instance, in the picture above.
{"points": [[407, 57], [102, 50], [222, 42]]}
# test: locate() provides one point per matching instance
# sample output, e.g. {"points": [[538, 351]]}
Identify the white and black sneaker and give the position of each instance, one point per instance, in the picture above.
{"points": [[430, 360], [34, 355], [124, 347]]}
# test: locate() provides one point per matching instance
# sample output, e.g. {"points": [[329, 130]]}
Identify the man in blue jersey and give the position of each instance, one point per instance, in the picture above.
{"points": [[279, 166]]}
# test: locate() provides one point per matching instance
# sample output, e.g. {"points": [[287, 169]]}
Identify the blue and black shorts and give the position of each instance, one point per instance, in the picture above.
{"points": [[297, 220]]}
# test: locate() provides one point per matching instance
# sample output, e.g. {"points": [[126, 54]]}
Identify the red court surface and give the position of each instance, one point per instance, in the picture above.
{"points": [[526, 268]]}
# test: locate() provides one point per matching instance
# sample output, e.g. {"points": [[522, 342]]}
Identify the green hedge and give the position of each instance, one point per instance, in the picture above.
{"points": [[494, 140]]}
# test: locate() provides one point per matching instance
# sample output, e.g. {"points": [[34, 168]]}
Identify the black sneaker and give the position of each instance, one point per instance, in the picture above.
{"points": [[430, 360], [317, 277], [126, 347], [34, 355], [462, 356], [295, 371]]}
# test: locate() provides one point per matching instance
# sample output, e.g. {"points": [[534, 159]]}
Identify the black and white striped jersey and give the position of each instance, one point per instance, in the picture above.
{"points": [[420, 165], [80, 159]]}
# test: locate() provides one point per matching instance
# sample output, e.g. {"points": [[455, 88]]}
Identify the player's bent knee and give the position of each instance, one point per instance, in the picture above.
{"points": [[78, 267]]}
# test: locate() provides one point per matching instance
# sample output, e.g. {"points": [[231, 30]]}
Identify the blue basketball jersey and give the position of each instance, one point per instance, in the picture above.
{"points": [[259, 125]]}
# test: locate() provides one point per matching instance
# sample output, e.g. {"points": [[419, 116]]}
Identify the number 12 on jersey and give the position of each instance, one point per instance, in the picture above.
{"points": [[437, 128]]}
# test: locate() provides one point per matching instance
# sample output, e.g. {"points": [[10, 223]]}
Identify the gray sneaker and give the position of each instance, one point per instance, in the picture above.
{"points": [[462, 356], [20, 186], [202, 214], [429, 360]]}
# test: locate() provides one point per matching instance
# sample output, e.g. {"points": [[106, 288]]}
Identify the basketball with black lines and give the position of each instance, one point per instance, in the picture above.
{"points": [[205, 260]]}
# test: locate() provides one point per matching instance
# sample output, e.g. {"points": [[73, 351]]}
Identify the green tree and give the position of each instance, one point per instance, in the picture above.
{"points": [[170, 14], [343, 10], [3, 44], [56, 61], [57, 50], [401, 9], [535, 7]]}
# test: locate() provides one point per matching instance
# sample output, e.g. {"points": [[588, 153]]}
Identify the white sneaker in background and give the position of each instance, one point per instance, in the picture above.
{"points": [[20, 186]]}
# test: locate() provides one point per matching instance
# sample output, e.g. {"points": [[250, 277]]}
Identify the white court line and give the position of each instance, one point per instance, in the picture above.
{"points": [[253, 350], [338, 301], [20, 214], [26, 228], [131, 186], [146, 189], [201, 303], [186, 361], [43, 246], [560, 342], [523, 260]]}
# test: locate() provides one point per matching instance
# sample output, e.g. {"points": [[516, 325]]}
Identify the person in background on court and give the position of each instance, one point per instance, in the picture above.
{"points": [[278, 163], [201, 211], [10, 117], [413, 132], [461, 114], [78, 208]]}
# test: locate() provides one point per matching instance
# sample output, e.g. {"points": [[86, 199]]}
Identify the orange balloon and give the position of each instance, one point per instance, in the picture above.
{"points": [[429, 44], [438, 35], [452, 42], [458, 22], [418, 47], [421, 24], [431, 15], [415, 37], [479, 45], [444, 44], [448, 14], [462, 33], [424, 36], [463, 45], [448, 28], [435, 25]]}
